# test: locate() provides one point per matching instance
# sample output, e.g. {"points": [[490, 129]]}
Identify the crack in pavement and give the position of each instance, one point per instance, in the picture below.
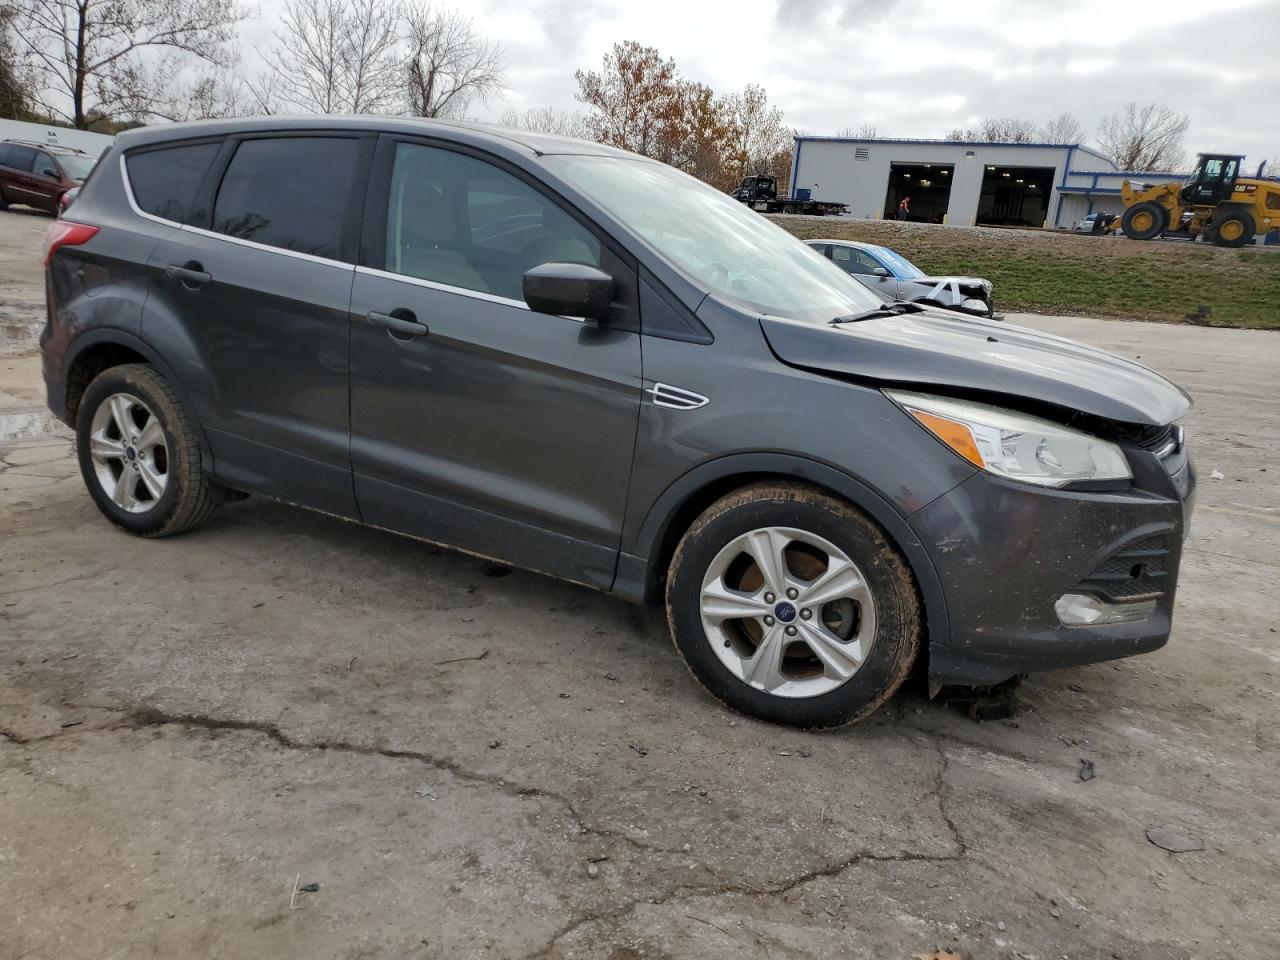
{"points": [[143, 717], [683, 892]]}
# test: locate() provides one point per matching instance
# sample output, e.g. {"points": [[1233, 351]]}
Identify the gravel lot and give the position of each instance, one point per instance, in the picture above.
{"points": [[473, 765]]}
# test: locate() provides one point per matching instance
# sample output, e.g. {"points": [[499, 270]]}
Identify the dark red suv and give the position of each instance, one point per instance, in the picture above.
{"points": [[38, 175]]}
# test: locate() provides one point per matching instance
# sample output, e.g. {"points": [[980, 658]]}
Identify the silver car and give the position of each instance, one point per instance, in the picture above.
{"points": [[894, 277]]}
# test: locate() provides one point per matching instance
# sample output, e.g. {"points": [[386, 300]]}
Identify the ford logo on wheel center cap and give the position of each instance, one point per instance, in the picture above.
{"points": [[785, 612]]}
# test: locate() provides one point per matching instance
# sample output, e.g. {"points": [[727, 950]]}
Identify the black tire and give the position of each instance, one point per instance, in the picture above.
{"points": [[1144, 221], [896, 641], [789, 208], [4, 204], [189, 497], [1239, 226]]}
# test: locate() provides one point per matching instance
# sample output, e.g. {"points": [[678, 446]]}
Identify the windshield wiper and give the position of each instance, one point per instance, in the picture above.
{"points": [[896, 309]]}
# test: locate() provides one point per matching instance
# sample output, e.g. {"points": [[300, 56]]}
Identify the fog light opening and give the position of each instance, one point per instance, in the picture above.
{"points": [[1082, 610]]}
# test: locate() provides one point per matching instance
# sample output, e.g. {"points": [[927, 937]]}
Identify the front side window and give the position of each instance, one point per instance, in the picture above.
{"points": [[853, 260], [731, 250], [165, 181], [461, 221], [44, 165], [288, 192]]}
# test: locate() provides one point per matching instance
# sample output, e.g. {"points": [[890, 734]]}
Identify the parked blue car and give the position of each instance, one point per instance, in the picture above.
{"points": [[894, 277]]}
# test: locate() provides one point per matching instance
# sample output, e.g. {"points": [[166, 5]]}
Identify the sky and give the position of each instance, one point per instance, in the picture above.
{"points": [[913, 68]]}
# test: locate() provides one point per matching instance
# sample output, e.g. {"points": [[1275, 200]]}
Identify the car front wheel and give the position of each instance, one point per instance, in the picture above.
{"points": [[791, 605]]}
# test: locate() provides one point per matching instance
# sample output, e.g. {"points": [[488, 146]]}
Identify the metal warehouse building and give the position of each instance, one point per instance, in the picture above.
{"points": [[948, 181]]}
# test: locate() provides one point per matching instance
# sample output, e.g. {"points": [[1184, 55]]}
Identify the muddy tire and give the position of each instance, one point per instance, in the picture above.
{"points": [[139, 454], [791, 605]]}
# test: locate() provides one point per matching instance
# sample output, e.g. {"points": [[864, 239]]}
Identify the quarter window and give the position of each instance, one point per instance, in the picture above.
{"points": [[288, 192], [460, 221], [165, 181]]}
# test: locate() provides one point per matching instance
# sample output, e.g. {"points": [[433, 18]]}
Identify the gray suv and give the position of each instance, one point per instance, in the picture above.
{"points": [[583, 362]]}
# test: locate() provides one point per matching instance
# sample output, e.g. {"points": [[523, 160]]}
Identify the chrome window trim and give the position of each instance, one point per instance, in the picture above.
{"points": [[213, 234], [445, 288]]}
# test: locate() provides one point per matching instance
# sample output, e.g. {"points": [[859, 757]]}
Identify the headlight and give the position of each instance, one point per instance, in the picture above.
{"points": [[1015, 445]]}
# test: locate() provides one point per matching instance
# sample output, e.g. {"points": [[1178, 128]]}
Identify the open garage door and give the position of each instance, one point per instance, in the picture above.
{"points": [[1015, 196], [928, 185]]}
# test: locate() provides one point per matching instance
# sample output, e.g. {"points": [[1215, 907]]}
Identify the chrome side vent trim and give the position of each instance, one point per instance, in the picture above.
{"points": [[665, 395]]}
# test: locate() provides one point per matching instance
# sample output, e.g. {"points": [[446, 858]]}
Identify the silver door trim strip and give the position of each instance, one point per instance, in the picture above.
{"points": [[445, 288]]}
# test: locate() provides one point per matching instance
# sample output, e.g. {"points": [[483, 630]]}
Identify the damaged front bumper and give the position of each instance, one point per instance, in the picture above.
{"points": [[1037, 578]]}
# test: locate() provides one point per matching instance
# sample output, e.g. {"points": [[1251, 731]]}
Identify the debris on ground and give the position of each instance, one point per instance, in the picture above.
{"points": [[1174, 839], [643, 751], [1217, 475], [1087, 770], [937, 955], [313, 887]]}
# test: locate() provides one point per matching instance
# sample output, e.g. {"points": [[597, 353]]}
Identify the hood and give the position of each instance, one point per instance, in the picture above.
{"points": [[971, 353], [963, 281]]}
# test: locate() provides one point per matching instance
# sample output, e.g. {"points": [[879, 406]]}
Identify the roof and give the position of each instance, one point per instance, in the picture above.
{"points": [[956, 143], [536, 143]]}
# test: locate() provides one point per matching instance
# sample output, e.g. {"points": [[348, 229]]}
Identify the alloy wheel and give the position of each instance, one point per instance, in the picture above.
{"points": [[787, 612], [129, 452]]}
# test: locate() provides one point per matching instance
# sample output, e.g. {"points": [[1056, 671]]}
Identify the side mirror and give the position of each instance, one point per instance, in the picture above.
{"points": [[880, 272], [568, 290]]}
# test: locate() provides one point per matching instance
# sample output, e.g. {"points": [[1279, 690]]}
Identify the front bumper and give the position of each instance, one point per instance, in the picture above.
{"points": [[1005, 552]]}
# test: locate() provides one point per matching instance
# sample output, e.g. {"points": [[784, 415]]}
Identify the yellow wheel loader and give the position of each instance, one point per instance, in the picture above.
{"points": [[1214, 202]]}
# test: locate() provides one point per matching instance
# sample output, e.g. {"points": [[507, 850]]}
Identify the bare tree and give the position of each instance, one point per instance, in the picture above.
{"points": [[998, 130], [118, 57], [868, 131], [451, 64], [757, 134], [1064, 128], [1147, 137], [564, 123], [15, 79], [334, 56]]}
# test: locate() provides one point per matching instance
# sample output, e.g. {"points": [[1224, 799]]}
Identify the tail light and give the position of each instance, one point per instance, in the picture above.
{"points": [[64, 233]]}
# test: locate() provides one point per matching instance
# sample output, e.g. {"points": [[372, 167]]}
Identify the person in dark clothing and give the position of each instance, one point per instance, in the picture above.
{"points": [[904, 209]]}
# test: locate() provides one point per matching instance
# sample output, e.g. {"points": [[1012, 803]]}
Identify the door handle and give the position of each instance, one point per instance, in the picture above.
{"points": [[399, 321], [191, 274]]}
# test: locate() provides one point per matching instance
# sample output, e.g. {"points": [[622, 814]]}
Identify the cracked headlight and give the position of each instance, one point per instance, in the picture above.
{"points": [[1015, 445]]}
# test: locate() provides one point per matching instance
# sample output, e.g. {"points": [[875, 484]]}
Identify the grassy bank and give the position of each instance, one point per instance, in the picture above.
{"points": [[1083, 275]]}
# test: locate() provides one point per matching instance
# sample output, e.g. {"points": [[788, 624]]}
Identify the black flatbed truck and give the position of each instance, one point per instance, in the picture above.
{"points": [[761, 193]]}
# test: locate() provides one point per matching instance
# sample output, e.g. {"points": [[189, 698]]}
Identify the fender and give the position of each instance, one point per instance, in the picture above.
{"points": [[638, 576], [114, 335]]}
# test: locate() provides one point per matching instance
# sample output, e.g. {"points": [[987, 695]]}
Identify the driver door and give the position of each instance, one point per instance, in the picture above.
{"points": [[475, 421]]}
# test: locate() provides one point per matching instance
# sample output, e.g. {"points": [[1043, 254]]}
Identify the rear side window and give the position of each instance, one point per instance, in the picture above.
{"points": [[165, 181], [289, 192], [16, 157]]}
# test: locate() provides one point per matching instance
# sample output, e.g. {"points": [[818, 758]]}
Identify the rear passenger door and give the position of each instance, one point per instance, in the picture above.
{"points": [[475, 421], [258, 285]]}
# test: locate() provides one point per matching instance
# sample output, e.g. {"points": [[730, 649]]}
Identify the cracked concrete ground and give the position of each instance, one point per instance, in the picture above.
{"points": [[510, 767]]}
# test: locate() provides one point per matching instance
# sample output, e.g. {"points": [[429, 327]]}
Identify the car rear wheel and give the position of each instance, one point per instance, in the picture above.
{"points": [[790, 605], [139, 454]]}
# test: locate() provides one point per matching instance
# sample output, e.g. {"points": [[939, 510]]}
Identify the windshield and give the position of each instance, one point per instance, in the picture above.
{"points": [[74, 166], [733, 251], [899, 266]]}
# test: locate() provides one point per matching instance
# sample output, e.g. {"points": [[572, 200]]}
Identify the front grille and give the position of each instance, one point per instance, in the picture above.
{"points": [[1136, 571]]}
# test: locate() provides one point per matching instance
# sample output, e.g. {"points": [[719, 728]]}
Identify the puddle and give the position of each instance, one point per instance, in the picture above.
{"points": [[25, 424]]}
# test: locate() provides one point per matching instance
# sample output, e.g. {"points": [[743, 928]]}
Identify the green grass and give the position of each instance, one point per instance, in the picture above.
{"points": [[1083, 275]]}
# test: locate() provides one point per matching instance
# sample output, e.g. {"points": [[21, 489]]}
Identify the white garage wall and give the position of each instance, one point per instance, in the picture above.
{"points": [[90, 143], [827, 167]]}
